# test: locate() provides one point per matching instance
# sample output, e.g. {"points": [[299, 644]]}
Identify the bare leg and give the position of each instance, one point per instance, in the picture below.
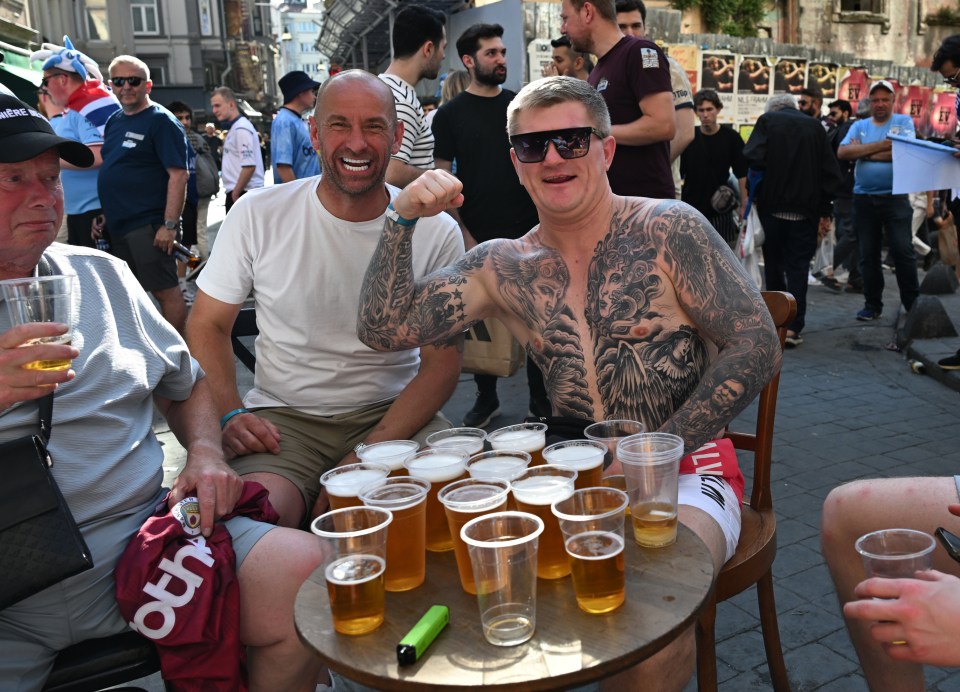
{"points": [[284, 496], [172, 307], [672, 667], [864, 506], [270, 577]]}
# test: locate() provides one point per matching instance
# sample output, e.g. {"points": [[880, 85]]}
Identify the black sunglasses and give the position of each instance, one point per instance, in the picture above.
{"points": [[45, 80], [571, 143], [132, 81]]}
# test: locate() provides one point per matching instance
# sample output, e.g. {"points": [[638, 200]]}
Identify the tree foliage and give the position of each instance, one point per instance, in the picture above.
{"points": [[731, 17]]}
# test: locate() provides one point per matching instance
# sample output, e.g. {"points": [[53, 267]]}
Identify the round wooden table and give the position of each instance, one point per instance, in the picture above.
{"points": [[666, 588]]}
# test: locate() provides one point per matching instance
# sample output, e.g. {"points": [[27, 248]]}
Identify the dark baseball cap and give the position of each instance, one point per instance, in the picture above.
{"points": [[295, 83], [25, 134]]}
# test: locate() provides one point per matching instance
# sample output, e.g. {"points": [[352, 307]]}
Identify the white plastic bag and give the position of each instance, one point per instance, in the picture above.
{"points": [[751, 238]]}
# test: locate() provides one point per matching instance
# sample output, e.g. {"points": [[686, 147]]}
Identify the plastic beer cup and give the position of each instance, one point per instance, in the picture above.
{"points": [[895, 553], [651, 464], [406, 498], [42, 299], [391, 454], [584, 456], [525, 437], [344, 483], [465, 500], [438, 467], [591, 521], [610, 432], [534, 492], [503, 554], [353, 565]]}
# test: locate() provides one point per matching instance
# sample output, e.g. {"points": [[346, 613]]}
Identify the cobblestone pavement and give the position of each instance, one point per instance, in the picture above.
{"points": [[848, 408]]}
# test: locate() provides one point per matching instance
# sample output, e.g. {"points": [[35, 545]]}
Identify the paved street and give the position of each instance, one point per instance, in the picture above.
{"points": [[848, 408]]}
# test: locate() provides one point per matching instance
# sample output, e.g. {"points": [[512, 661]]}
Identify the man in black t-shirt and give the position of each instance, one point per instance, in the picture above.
{"points": [[472, 130]]}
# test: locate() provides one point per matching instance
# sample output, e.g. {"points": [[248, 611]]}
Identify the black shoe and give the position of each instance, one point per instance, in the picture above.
{"points": [[831, 283], [484, 410], [950, 362], [854, 287]]}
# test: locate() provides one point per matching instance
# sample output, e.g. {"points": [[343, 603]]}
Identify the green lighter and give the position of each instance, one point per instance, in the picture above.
{"points": [[412, 646]]}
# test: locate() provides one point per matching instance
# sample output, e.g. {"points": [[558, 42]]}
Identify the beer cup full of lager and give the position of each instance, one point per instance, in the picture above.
{"points": [[355, 540]]}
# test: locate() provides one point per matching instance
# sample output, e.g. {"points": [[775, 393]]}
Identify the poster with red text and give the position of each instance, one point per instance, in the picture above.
{"points": [[915, 101], [942, 119]]}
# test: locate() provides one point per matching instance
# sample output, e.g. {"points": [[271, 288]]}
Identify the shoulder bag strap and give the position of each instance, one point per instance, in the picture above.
{"points": [[46, 403]]}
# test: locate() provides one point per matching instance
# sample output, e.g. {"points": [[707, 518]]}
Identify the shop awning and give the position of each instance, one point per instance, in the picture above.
{"points": [[19, 77]]}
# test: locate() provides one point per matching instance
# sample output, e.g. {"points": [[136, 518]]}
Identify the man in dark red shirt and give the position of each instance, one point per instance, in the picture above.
{"points": [[633, 77]]}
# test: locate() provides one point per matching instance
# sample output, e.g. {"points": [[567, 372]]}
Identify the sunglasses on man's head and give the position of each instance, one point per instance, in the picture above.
{"points": [[571, 143], [132, 81]]}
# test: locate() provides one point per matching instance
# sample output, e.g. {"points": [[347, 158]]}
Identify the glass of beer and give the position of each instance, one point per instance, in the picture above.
{"points": [[525, 437], [534, 491], [406, 498], [585, 456], [438, 466], [503, 554], [592, 524], [469, 440], [465, 500], [391, 454], [651, 464], [610, 432], [42, 299], [344, 483], [354, 560]]}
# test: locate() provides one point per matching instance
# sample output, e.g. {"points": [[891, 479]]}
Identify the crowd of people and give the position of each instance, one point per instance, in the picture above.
{"points": [[399, 231]]}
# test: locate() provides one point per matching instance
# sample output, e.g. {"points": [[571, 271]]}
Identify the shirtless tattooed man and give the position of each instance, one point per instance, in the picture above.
{"points": [[632, 307]]}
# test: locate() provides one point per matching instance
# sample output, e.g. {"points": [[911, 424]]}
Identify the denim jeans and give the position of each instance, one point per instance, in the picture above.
{"points": [[846, 252], [788, 247], [872, 214]]}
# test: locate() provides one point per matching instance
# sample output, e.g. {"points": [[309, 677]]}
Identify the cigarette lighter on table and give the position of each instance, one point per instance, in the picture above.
{"points": [[412, 646]]}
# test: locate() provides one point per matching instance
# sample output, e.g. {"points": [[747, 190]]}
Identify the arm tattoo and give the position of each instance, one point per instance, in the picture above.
{"points": [[397, 311]]}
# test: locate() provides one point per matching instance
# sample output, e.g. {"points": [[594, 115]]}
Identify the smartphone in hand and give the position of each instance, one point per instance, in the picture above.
{"points": [[950, 542]]}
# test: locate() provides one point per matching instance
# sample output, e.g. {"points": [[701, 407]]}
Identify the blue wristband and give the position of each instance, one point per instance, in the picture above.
{"points": [[235, 412], [394, 216]]}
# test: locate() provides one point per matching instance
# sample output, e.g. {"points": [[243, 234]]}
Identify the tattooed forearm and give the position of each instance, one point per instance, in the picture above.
{"points": [[397, 311]]}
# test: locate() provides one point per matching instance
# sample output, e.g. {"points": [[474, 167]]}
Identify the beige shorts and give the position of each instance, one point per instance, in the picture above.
{"points": [[312, 445]]}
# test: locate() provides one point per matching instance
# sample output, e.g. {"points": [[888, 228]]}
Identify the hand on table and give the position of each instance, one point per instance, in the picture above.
{"points": [[248, 433], [17, 383], [923, 613]]}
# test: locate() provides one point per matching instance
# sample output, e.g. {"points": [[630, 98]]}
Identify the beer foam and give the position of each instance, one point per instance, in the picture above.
{"points": [[436, 468], [594, 545], [473, 495], [467, 443], [578, 457], [350, 483], [497, 467], [542, 490], [391, 454], [519, 440]]}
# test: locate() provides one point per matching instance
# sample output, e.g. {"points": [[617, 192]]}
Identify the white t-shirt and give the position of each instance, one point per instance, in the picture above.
{"points": [[241, 148], [417, 146], [305, 268]]}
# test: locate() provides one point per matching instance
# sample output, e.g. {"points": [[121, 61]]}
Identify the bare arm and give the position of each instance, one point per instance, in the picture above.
{"points": [[176, 193], [684, 134], [728, 310], [97, 160], [208, 335], [216, 485], [285, 172], [657, 123], [398, 311]]}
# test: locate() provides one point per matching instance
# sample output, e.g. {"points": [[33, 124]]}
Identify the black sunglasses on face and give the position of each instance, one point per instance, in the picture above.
{"points": [[132, 81], [43, 82], [571, 143]]}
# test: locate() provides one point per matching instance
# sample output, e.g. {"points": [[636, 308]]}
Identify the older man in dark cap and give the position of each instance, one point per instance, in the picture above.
{"points": [[126, 359], [293, 154]]}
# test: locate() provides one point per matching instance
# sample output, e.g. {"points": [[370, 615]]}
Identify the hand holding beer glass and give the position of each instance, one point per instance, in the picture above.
{"points": [[354, 560], [42, 299]]}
